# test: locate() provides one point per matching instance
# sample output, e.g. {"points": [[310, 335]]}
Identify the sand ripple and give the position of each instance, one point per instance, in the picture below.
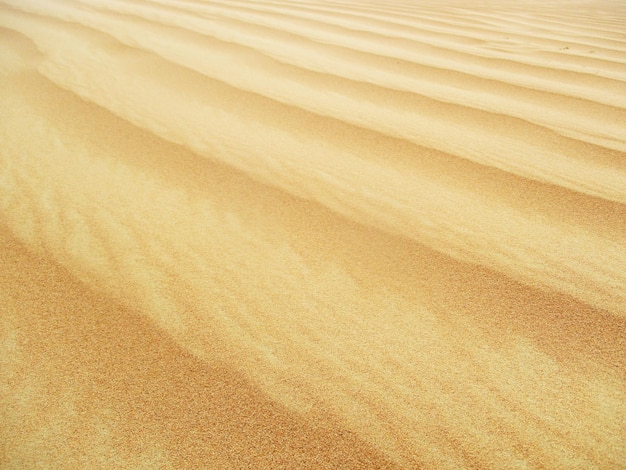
{"points": [[395, 232]]}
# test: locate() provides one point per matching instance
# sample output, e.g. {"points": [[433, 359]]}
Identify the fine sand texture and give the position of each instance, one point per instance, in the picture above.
{"points": [[325, 234]]}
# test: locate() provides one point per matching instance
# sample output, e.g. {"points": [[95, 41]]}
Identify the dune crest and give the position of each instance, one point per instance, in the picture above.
{"points": [[399, 229]]}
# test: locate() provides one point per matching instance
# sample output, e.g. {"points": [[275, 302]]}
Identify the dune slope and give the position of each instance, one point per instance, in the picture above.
{"points": [[271, 234]]}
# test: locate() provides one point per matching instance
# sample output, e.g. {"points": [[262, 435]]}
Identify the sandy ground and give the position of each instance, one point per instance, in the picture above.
{"points": [[321, 234]]}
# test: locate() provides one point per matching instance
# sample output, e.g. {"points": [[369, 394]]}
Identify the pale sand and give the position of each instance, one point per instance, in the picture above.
{"points": [[325, 234]]}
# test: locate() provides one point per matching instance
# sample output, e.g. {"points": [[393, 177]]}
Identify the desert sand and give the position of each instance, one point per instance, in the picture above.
{"points": [[312, 234]]}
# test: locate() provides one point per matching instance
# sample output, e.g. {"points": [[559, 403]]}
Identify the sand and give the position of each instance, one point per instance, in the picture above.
{"points": [[321, 234]]}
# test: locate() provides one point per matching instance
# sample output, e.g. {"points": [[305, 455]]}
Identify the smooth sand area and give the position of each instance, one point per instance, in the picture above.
{"points": [[314, 234]]}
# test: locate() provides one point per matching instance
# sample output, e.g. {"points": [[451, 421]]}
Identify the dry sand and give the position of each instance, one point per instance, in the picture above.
{"points": [[312, 234]]}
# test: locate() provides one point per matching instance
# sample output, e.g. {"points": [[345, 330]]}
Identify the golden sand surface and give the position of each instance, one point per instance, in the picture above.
{"points": [[320, 234]]}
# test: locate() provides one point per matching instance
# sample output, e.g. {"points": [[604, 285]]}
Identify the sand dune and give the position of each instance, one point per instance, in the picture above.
{"points": [[271, 234]]}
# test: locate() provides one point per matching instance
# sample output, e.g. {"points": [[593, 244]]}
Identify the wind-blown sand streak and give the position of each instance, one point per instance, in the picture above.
{"points": [[396, 269]]}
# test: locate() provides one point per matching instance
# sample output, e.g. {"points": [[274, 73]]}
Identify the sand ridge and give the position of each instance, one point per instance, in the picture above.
{"points": [[378, 221]]}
